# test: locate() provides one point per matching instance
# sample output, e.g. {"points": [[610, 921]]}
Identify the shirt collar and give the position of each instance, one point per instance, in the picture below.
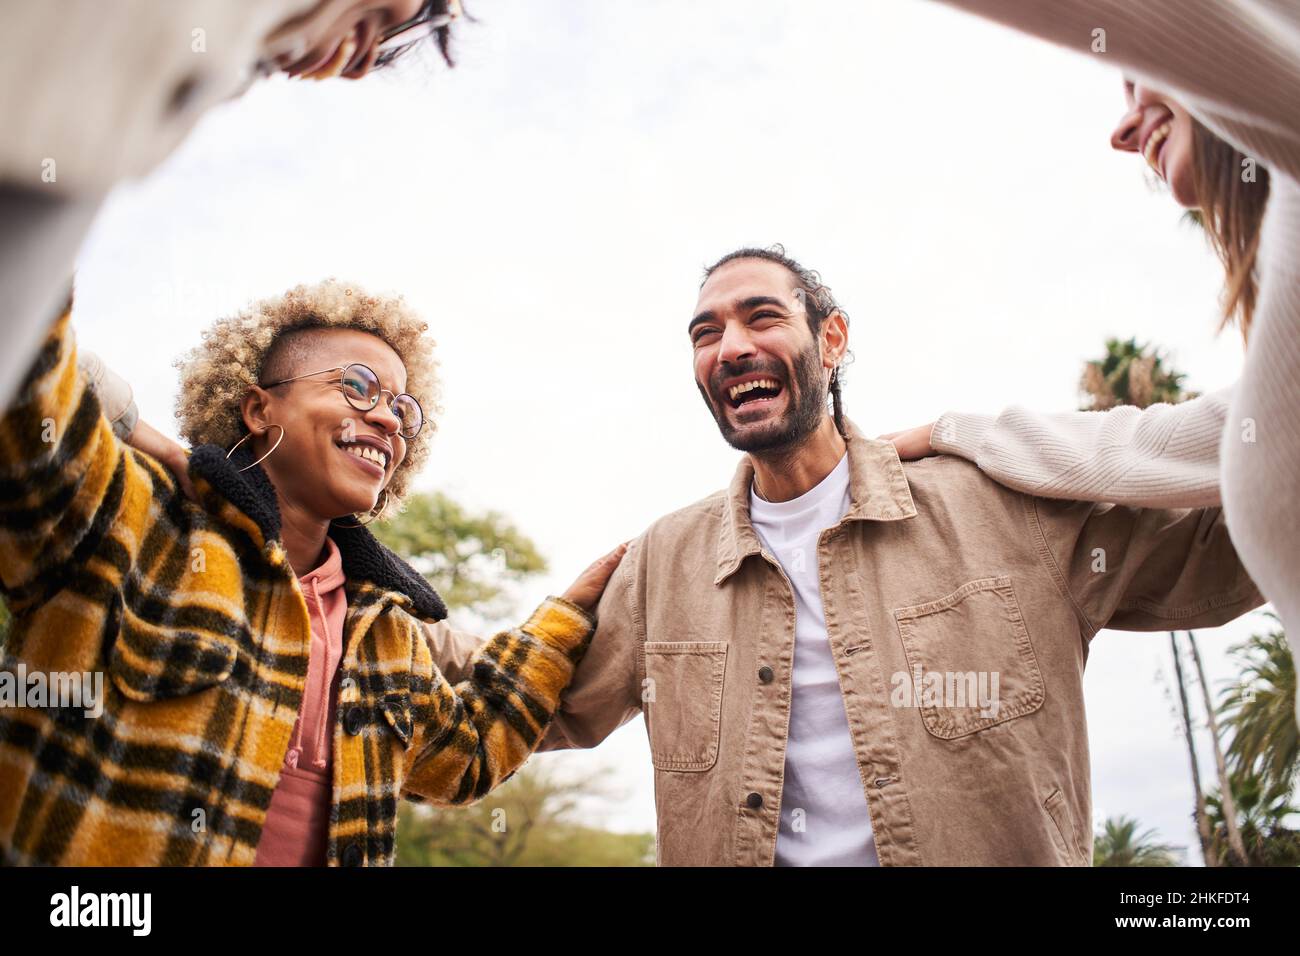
{"points": [[878, 491]]}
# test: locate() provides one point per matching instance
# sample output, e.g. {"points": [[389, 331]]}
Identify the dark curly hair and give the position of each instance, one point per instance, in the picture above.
{"points": [[819, 304]]}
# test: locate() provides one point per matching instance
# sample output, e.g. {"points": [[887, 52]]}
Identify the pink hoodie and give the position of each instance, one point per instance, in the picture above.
{"points": [[297, 823]]}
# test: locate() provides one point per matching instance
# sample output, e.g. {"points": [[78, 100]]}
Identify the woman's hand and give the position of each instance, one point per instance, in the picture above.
{"points": [[913, 443], [155, 444], [586, 591]]}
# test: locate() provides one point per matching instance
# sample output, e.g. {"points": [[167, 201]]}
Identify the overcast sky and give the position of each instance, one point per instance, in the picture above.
{"points": [[549, 205]]}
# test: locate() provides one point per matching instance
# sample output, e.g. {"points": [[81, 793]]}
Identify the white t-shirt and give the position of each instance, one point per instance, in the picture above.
{"points": [[824, 816]]}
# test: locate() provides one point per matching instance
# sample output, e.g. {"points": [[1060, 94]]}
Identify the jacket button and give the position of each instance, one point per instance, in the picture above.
{"points": [[352, 855], [765, 674], [354, 720], [754, 801]]}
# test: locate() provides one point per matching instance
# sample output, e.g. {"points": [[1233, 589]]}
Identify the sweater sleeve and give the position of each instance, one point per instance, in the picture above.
{"points": [[61, 475], [116, 397], [485, 727], [1163, 456]]}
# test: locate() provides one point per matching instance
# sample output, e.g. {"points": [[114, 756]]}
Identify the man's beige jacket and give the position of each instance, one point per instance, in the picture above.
{"points": [[936, 580]]}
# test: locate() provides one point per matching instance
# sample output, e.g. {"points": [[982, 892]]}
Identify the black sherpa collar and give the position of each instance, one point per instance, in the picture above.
{"points": [[364, 558]]}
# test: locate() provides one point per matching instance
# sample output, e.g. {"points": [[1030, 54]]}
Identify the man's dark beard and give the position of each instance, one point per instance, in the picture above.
{"points": [[799, 422]]}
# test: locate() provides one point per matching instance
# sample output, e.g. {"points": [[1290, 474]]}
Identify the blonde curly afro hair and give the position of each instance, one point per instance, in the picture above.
{"points": [[216, 374]]}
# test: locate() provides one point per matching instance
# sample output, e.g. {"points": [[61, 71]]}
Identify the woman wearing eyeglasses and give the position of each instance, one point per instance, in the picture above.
{"points": [[270, 690]]}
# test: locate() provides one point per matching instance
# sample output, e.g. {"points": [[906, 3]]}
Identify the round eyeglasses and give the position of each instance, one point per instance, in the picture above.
{"points": [[361, 388]]}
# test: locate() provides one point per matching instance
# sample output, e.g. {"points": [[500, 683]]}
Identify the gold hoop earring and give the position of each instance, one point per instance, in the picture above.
{"points": [[264, 457], [372, 513]]}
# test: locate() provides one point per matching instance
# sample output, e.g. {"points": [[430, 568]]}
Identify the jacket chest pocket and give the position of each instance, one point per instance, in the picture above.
{"points": [[683, 702], [149, 661], [971, 663]]}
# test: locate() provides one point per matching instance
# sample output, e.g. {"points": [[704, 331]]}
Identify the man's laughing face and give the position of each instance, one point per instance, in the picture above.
{"points": [[758, 365]]}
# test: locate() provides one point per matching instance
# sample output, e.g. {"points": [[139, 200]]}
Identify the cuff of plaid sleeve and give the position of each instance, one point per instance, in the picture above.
{"points": [[561, 624]]}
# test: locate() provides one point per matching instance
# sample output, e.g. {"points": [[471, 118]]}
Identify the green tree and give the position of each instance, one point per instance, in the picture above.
{"points": [[470, 559], [1130, 374], [1203, 828], [534, 819], [1236, 843], [1259, 710], [1119, 843], [1262, 817]]}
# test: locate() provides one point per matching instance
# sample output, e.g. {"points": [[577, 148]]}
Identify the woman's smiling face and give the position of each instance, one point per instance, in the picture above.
{"points": [[1163, 132], [334, 459]]}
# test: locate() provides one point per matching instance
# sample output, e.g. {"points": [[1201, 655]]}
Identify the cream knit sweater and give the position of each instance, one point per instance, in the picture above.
{"points": [[1236, 65]]}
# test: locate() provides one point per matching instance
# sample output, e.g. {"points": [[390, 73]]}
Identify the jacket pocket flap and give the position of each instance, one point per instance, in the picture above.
{"points": [[149, 661], [972, 665], [396, 709]]}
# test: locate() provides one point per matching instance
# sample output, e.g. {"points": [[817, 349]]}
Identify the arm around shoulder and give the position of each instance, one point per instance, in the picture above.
{"points": [[606, 689], [1162, 456]]}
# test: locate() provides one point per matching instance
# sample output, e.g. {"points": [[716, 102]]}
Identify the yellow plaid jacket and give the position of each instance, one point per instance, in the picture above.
{"points": [[196, 618]]}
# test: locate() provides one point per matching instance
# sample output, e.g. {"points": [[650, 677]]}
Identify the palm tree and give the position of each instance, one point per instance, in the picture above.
{"points": [[1235, 842], [1259, 710], [1203, 828], [1119, 843], [1264, 813], [1130, 374]]}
